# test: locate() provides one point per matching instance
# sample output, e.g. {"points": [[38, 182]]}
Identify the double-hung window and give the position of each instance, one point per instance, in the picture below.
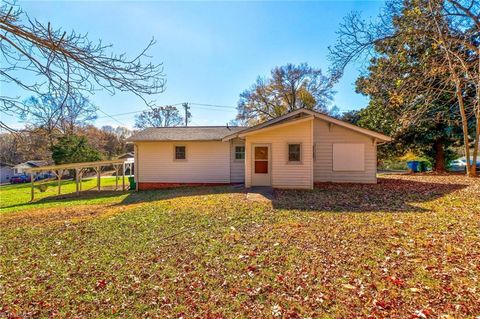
{"points": [[294, 153], [239, 152], [180, 153]]}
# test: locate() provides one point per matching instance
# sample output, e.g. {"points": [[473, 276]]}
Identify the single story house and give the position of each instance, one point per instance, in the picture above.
{"points": [[6, 172], [295, 150], [23, 168]]}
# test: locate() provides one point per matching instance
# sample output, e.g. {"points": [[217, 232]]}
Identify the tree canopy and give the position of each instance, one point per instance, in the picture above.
{"points": [[424, 67], [74, 149], [158, 117], [288, 88]]}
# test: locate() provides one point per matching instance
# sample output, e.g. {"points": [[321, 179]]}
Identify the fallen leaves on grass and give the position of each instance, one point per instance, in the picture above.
{"points": [[222, 256]]}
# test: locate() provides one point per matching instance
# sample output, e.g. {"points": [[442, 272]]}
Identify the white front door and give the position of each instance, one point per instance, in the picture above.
{"points": [[261, 166]]}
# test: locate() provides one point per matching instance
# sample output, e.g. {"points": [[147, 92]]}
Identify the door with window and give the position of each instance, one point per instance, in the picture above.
{"points": [[261, 167]]}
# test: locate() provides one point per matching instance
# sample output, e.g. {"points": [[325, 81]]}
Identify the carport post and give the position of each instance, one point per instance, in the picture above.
{"points": [[116, 177], [80, 178], [98, 178], [33, 189], [77, 171], [59, 175], [123, 176]]}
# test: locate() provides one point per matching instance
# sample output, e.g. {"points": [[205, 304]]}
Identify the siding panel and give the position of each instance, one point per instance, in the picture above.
{"points": [[284, 174], [324, 137], [206, 162]]}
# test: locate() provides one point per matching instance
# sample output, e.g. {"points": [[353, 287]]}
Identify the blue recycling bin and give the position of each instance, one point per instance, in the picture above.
{"points": [[413, 166]]}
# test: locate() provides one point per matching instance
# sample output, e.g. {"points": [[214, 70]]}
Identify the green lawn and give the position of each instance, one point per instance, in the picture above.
{"points": [[17, 197], [408, 247]]}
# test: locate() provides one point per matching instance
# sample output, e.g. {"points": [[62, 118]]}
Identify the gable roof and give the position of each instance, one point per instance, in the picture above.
{"points": [[303, 113], [31, 164], [185, 133], [127, 155]]}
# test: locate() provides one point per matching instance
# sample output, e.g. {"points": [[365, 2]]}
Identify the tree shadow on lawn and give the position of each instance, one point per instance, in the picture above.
{"points": [[389, 195], [105, 195]]}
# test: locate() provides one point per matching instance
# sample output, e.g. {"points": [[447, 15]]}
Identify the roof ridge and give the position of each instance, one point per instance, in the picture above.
{"points": [[199, 126]]}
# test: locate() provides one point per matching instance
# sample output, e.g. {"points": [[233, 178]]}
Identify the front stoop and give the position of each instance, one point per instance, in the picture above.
{"points": [[260, 194]]}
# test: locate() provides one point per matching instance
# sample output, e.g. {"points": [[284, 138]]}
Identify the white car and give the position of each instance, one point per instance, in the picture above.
{"points": [[460, 164]]}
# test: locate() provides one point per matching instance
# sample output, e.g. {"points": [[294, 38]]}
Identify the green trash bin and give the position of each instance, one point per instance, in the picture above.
{"points": [[131, 180]]}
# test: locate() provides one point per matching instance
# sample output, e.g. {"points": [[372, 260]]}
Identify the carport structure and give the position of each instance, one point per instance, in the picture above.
{"points": [[80, 169]]}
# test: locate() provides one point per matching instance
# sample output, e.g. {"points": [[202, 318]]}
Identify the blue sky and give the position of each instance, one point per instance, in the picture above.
{"points": [[211, 51]]}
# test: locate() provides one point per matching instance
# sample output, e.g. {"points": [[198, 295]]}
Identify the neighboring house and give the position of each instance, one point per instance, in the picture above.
{"points": [[129, 158], [295, 150], [22, 168], [6, 172]]}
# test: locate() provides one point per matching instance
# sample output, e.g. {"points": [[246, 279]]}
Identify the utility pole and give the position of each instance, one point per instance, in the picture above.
{"points": [[187, 114]]}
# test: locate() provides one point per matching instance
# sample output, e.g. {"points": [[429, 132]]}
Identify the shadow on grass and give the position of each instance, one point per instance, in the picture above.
{"points": [[390, 194], [105, 195]]}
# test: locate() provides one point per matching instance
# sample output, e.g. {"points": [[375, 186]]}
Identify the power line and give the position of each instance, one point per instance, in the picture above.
{"points": [[134, 112], [210, 109], [215, 105], [108, 115], [197, 107], [120, 114]]}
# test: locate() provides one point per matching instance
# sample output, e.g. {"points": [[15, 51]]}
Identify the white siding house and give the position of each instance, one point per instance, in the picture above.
{"points": [[6, 172], [295, 150]]}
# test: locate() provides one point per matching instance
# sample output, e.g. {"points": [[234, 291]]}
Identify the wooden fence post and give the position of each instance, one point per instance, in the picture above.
{"points": [[116, 177], [80, 178], [123, 176], [59, 175], [77, 172], [98, 178], [33, 189]]}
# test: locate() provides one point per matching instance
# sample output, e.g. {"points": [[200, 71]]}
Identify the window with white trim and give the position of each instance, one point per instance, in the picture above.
{"points": [[294, 152], [239, 152]]}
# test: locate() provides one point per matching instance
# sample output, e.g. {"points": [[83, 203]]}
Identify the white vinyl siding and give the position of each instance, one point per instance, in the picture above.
{"points": [[325, 136], [206, 162], [237, 166], [284, 173]]}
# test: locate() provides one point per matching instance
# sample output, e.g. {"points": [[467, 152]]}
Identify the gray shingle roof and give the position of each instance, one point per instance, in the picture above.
{"points": [[189, 133], [33, 163]]}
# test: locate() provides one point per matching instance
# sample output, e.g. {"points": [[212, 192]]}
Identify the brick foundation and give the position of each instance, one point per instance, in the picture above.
{"points": [[147, 186]]}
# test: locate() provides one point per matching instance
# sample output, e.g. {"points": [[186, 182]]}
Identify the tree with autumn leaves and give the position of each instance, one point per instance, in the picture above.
{"points": [[424, 71]]}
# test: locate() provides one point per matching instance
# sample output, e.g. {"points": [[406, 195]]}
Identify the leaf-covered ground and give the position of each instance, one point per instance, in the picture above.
{"points": [[408, 247]]}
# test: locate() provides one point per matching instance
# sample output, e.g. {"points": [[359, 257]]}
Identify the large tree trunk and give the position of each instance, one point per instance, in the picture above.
{"points": [[439, 165], [466, 139], [473, 169]]}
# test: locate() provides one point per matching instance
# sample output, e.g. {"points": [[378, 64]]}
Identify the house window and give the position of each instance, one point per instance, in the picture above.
{"points": [[180, 153], [294, 152], [239, 152]]}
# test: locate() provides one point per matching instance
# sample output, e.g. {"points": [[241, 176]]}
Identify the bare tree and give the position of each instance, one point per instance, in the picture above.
{"points": [[158, 117], [40, 59], [58, 116], [288, 88]]}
